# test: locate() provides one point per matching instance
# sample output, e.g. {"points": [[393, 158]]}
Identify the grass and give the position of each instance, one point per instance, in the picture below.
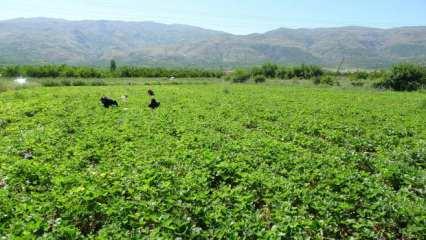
{"points": [[8, 84], [423, 104], [53, 82], [3, 87], [214, 161]]}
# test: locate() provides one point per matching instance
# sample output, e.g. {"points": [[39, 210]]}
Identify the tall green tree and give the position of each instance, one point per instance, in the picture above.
{"points": [[113, 65]]}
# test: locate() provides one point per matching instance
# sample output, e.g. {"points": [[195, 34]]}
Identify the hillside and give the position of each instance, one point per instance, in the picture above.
{"points": [[42, 40]]}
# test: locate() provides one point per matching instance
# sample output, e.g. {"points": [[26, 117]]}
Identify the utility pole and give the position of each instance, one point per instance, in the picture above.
{"points": [[340, 65]]}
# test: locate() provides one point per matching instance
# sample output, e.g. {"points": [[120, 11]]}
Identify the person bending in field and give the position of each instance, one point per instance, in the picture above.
{"points": [[154, 104], [108, 102], [151, 93]]}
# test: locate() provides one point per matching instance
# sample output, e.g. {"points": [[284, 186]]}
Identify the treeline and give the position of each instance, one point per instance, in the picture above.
{"points": [[55, 71], [401, 77], [270, 70]]}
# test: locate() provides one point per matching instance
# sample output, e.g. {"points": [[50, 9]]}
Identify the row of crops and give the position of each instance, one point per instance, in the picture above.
{"points": [[213, 162]]}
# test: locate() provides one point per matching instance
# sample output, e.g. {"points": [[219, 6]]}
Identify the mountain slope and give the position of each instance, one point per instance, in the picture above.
{"points": [[42, 40]]}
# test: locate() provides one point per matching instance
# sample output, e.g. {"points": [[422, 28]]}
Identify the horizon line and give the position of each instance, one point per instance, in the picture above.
{"points": [[209, 29]]}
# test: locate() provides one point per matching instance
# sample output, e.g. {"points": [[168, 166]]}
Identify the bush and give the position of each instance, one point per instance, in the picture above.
{"points": [[113, 66], [359, 75], [405, 77], [284, 73], [357, 83], [89, 73], [255, 71], [240, 76], [42, 71], [54, 71], [327, 80], [269, 70], [378, 74], [317, 81], [130, 72], [259, 79], [11, 71], [307, 71], [70, 73]]}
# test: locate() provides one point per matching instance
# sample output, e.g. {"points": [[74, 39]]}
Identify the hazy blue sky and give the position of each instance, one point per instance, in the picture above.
{"points": [[236, 16]]}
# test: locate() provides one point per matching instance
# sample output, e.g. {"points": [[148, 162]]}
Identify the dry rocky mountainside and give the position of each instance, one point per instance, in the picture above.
{"points": [[43, 40]]}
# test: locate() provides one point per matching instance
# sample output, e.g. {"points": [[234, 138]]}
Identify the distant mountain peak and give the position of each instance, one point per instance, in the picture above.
{"points": [[95, 42]]}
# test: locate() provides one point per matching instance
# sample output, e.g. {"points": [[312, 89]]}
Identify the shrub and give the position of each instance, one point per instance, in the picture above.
{"points": [[129, 72], [89, 73], [357, 83], [284, 73], [11, 71], [405, 77], [359, 75], [42, 71], [240, 76], [113, 66], [70, 73], [54, 71], [255, 71], [327, 80], [291, 74], [317, 81], [269, 70], [378, 74], [307, 71], [259, 79]]}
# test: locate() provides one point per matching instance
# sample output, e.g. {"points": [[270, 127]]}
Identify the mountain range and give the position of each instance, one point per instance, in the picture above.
{"points": [[58, 41]]}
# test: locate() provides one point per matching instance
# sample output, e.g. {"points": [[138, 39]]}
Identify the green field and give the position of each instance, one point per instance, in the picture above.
{"points": [[215, 161]]}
